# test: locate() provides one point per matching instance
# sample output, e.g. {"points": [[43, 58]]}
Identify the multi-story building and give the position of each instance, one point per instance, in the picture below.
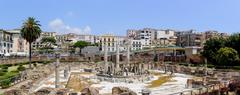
{"points": [[6, 43], [150, 37], [49, 34], [136, 45], [20, 45], [38, 43], [87, 38], [72, 37], [146, 35], [190, 38], [212, 34], [111, 42], [165, 37]]}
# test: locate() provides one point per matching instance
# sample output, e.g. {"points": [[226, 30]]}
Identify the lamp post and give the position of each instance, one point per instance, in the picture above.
{"points": [[57, 56]]}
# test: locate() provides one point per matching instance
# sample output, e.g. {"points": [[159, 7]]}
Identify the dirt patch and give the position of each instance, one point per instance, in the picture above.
{"points": [[77, 82]]}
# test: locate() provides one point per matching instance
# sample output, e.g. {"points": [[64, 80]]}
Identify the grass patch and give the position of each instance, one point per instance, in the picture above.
{"points": [[159, 81], [9, 71], [8, 75]]}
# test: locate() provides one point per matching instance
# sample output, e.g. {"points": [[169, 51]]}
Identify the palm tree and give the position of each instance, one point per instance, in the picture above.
{"points": [[30, 32]]}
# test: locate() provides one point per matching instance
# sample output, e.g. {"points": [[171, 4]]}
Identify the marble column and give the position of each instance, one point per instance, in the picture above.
{"points": [[128, 53], [117, 58], [105, 58]]}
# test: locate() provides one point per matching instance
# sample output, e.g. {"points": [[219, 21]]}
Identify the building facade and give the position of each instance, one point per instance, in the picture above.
{"points": [[190, 38], [214, 34], [111, 42], [146, 36], [151, 37], [20, 45], [6, 43], [165, 38], [136, 45]]}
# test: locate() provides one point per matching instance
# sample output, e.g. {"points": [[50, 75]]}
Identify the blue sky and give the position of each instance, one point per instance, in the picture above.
{"points": [[116, 16]]}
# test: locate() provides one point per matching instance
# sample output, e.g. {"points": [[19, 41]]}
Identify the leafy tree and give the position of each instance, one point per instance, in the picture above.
{"points": [[234, 42], [211, 47], [30, 32], [48, 41], [226, 56], [81, 44]]}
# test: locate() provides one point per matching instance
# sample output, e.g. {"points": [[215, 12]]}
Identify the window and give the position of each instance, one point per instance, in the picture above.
{"points": [[4, 44]]}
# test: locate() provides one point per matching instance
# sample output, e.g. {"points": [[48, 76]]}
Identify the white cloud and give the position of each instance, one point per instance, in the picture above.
{"points": [[70, 13], [60, 27]]}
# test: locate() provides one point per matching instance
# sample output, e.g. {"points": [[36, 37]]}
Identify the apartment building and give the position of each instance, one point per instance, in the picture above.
{"points": [[153, 37], [213, 34], [165, 37], [20, 45], [136, 45], [190, 38], [6, 43], [111, 42], [146, 36]]}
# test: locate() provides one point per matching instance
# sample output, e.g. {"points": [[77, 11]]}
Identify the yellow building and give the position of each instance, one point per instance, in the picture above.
{"points": [[111, 42]]}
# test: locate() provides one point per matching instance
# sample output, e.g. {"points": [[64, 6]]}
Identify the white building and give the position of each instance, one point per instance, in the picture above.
{"points": [[150, 37], [136, 45], [87, 38], [6, 43], [146, 36], [166, 37]]}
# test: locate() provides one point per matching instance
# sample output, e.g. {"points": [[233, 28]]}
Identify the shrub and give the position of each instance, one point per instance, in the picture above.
{"points": [[2, 73], [4, 70], [15, 71], [24, 63], [35, 64], [21, 68], [8, 65], [5, 67], [5, 83], [45, 62]]}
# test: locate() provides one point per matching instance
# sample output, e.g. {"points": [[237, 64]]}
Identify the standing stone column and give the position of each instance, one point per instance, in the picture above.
{"points": [[56, 71], [105, 58], [117, 58], [128, 53]]}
